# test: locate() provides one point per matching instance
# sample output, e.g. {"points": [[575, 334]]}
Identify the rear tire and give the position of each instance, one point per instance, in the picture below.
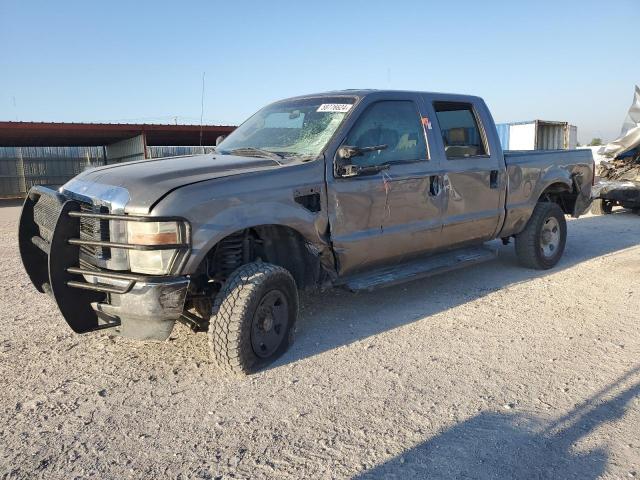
{"points": [[596, 207], [541, 244], [601, 206], [253, 318]]}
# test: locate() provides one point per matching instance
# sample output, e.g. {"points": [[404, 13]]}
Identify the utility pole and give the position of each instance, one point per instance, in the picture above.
{"points": [[202, 109]]}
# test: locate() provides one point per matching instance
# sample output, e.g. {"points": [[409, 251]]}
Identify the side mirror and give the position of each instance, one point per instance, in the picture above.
{"points": [[345, 168], [346, 152], [220, 139]]}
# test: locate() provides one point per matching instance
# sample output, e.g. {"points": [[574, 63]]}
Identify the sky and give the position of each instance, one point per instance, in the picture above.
{"points": [[143, 61]]}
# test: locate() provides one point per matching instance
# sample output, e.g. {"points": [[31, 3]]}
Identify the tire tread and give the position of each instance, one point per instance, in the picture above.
{"points": [[230, 323], [527, 249]]}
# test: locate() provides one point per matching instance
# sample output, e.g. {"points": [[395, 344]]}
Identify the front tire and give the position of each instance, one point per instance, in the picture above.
{"points": [[253, 318], [541, 244]]}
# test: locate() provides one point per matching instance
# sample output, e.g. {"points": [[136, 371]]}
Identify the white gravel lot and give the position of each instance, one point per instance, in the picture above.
{"points": [[490, 372]]}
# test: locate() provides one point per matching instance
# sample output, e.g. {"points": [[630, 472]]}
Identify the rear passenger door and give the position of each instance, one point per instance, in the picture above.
{"points": [[473, 179]]}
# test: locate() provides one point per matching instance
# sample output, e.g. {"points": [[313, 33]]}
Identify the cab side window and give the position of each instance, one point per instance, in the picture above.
{"points": [[461, 134], [392, 123]]}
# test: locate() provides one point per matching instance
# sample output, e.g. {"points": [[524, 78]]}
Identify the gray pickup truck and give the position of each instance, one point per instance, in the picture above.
{"points": [[355, 188]]}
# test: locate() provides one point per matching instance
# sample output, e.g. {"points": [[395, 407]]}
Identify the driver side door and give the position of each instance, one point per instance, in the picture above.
{"points": [[393, 214]]}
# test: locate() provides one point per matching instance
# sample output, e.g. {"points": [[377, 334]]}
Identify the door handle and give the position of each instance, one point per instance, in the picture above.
{"points": [[435, 185], [493, 179]]}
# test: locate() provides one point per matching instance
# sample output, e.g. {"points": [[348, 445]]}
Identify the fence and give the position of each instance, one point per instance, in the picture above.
{"points": [[23, 167]]}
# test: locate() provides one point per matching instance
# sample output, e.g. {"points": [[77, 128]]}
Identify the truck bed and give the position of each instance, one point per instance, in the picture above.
{"points": [[532, 172]]}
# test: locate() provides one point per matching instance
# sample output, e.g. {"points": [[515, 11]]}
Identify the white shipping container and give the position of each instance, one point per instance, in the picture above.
{"points": [[573, 137], [538, 135], [522, 136]]}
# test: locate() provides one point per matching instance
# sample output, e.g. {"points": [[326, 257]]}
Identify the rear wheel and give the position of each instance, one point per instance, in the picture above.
{"points": [[607, 207], [253, 318], [541, 244]]}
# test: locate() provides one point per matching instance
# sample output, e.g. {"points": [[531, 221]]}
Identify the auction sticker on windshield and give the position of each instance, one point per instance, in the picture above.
{"points": [[334, 107]]}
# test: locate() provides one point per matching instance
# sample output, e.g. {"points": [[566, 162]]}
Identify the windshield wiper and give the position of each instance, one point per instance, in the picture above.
{"points": [[259, 151], [303, 157]]}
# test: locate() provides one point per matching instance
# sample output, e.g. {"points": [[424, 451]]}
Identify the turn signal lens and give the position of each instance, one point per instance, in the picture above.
{"points": [[153, 233]]}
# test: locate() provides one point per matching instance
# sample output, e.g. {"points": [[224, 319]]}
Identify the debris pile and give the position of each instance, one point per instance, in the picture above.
{"points": [[624, 168], [625, 150]]}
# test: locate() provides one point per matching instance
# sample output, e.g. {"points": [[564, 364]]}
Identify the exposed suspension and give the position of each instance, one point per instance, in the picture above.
{"points": [[231, 253]]}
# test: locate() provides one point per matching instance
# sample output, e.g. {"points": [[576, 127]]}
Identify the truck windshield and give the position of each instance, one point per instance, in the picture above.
{"points": [[291, 128]]}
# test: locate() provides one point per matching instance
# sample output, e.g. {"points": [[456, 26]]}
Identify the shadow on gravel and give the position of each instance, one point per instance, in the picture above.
{"points": [[11, 202], [493, 445], [335, 318]]}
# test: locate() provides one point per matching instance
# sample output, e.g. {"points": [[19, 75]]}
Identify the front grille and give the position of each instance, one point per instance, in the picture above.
{"points": [[45, 215], [94, 229]]}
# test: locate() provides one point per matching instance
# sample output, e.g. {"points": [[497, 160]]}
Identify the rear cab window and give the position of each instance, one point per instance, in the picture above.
{"points": [[461, 130]]}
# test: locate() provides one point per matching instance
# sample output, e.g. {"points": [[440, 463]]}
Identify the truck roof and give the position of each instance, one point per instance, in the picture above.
{"points": [[357, 92]]}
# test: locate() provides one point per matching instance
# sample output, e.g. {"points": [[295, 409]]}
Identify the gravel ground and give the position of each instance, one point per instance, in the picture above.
{"points": [[490, 372]]}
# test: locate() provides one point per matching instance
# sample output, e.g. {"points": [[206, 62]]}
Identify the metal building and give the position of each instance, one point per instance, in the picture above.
{"points": [[52, 153]]}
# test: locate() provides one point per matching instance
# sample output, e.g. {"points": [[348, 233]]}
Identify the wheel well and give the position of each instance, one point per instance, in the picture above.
{"points": [[561, 194], [276, 244]]}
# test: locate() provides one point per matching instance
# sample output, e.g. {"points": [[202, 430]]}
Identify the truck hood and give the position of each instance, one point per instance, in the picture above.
{"points": [[135, 187]]}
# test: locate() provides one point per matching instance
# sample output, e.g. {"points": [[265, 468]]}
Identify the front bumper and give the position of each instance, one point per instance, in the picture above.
{"points": [[149, 310], [135, 305]]}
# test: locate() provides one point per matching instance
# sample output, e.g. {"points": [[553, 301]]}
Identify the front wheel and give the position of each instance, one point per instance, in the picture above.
{"points": [[253, 318], [541, 244]]}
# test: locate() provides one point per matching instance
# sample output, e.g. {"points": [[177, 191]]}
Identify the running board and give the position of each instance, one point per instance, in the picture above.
{"points": [[420, 268]]}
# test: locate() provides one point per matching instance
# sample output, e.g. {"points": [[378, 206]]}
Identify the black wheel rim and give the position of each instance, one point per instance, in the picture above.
{"points": [[269, 324]]}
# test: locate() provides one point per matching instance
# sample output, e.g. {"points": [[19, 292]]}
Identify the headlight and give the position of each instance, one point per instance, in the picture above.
{"points": [[155, 262]]}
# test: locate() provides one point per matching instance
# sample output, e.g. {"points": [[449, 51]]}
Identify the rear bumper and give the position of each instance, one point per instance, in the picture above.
{"points": [[138, 306]]}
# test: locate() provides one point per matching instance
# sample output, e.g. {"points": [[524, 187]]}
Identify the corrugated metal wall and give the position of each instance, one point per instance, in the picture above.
{"points": [[551, 136], [11, 176], [159, 152], [126, 150], [23, 167], [573, 137]]}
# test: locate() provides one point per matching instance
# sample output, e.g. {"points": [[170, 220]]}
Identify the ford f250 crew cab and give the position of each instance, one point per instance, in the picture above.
{"points": [[356, 188]]}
